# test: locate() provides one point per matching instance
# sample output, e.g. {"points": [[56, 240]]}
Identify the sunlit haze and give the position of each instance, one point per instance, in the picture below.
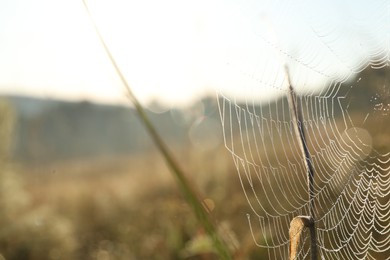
{"points": [[172, 51]]}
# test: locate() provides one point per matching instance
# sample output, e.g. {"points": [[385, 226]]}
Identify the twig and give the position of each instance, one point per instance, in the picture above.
{"points": [[188, 190], [296, 114]]}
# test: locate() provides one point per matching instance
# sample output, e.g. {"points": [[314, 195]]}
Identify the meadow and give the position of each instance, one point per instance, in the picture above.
{"points": [[129, 206], [121, 208]]}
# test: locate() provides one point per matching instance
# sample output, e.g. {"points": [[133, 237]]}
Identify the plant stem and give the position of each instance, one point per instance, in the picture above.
{"points": [[296, 113], [187, 189]]}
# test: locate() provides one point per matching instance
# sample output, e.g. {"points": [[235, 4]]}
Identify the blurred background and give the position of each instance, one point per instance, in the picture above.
{"points": [[81, 178]]}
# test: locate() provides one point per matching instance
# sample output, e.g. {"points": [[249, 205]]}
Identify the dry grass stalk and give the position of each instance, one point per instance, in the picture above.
{"points": [[298, 222]]}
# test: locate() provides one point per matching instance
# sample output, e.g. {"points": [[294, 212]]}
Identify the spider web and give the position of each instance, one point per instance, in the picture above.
{"points": [[339, 58]]}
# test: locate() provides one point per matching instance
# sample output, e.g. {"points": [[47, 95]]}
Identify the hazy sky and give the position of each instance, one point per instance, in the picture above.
{"points": [[175, 50]]}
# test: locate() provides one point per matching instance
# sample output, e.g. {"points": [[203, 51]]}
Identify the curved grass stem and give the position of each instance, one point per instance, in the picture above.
{"points": [[186, 187]]}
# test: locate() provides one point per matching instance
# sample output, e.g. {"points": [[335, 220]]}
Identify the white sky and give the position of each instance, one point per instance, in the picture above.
{"points": [[171, 50]]}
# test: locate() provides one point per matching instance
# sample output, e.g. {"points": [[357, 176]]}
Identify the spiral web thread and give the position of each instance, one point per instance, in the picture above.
{"points": [[346, 119]]}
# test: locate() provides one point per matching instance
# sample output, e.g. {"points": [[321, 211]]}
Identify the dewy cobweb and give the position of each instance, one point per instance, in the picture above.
{"points": [[338, 55]]}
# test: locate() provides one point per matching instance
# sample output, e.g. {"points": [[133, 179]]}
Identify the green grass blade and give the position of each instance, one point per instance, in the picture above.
{"points": [[187, 189]]}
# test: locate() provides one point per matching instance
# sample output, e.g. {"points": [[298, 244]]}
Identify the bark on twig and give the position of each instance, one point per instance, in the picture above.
{"points": [[297, 226]]}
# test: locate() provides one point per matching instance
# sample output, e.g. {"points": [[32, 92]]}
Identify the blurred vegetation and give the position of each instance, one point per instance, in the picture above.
{"points": [[21, 234], [112, 207]]}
